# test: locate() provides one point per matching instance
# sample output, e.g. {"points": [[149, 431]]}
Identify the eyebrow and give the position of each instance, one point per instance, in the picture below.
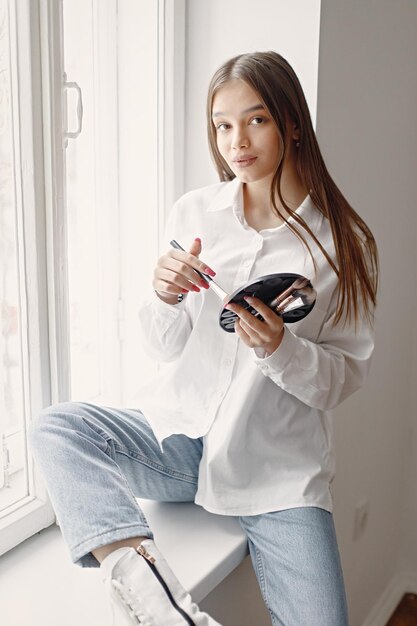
{"points": [[256, 107]]}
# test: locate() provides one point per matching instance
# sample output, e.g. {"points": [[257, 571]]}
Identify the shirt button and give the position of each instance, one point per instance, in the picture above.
{"points": [[246, 263], [227, 362]]}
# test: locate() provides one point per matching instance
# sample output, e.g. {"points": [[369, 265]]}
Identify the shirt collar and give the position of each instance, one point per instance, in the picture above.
{"points": [[231, 195], [227, 195]]}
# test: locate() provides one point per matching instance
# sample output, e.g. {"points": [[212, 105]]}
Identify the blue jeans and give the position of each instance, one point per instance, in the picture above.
{"points": [[95, 460]]}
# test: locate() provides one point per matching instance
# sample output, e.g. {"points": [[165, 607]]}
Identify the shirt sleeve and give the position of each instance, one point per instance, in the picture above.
{"points": [[322, 374], [165, 328]]}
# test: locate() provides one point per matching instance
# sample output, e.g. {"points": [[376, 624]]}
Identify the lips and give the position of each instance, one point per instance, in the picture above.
{"points": [[244, 161]]}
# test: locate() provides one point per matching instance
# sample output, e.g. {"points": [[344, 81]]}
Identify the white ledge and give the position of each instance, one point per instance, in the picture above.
{"points": [[40, 585], [201, 548]]}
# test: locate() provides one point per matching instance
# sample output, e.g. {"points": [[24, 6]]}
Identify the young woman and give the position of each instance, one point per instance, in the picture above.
{"points": [[238, 422]]}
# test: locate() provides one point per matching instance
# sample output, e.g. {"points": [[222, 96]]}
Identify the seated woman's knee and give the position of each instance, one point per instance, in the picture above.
{"points": [[55, 416]]}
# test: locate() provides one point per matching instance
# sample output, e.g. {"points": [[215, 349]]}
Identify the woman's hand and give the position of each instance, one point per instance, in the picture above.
{"points": [[174, 273], [255, 333]]}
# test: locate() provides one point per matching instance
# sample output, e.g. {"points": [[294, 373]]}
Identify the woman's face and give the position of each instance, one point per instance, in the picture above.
{"points": [[247, 137]]}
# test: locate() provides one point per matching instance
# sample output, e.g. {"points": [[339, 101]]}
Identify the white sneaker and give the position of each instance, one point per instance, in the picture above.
{"points": [[145, 591]]}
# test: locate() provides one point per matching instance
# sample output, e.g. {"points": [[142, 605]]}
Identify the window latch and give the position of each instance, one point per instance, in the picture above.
{"points": [[73, 134]]}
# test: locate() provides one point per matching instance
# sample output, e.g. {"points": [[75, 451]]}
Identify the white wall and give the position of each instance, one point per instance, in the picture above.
{"points": [[366, 127], [407, 561]]}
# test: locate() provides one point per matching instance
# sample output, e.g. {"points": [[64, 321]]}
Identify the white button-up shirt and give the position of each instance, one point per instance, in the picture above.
{"points": [[264, 420]]}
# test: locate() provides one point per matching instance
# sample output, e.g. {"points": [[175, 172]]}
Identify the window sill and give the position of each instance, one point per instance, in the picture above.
{"points": [[38, 582]]}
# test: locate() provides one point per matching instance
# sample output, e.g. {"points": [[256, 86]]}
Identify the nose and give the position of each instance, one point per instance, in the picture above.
{"points": [[239, 139]]}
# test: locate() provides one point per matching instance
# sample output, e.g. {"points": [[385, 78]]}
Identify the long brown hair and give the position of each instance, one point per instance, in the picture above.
{"points": [[276, 83]]}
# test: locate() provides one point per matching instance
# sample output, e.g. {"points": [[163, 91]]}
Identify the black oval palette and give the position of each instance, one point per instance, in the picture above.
{"points": [[295, 294]]}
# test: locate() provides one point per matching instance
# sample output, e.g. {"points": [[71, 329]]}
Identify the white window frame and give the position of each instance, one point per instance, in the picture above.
{"points": [[37, 53], [33, 512], [172, 30]]}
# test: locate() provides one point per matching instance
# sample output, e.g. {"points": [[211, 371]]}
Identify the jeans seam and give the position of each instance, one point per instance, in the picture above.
{"points": [[262, 581], [109, 452], [156, 466], [138, 457]]}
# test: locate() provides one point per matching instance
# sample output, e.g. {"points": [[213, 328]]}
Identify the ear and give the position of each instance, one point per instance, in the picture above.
{"points": [[295, 132]]}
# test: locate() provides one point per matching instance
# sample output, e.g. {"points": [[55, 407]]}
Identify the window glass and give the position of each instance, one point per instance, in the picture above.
{"points": [[13, 466], [110, 59]]}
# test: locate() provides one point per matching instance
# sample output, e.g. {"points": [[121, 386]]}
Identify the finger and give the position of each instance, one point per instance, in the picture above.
{"points": [[246, 334], [195, 250], [171, 281], [183, 263], [263, 309], [250, 340], [246, 316], [191, 260], [259, 331], [240, 332], [252, 335], [195, 247]]}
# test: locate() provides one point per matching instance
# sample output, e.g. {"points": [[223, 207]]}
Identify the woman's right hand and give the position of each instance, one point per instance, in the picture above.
{"points": [[174, 273]]}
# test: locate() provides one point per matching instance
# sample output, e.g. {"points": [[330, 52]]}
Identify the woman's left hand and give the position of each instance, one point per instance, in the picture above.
{"points": [[255, 333]]}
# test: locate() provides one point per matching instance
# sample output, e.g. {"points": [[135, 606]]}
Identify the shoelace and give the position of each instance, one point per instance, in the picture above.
{"points": [[126, 594]]}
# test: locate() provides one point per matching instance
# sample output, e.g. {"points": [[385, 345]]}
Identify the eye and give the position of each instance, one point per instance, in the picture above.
{"points": [[222, 126], [257, 120]]}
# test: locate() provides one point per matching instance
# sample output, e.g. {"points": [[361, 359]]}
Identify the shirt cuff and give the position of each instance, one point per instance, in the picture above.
{"points": [[164, 308], [278, 360]]}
